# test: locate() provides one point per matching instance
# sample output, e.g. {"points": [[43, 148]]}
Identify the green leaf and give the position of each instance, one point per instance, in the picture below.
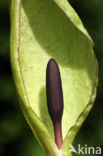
{"points": [[46, 29]]}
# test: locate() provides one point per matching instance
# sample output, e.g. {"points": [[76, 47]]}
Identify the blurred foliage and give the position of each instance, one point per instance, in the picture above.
{"points": [[16, 137]]}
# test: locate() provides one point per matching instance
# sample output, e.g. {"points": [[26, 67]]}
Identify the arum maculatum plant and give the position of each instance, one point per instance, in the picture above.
{"points": [[54, 69]]}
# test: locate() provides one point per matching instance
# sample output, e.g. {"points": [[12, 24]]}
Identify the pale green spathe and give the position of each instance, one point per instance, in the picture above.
{"points": [[46, 29]]}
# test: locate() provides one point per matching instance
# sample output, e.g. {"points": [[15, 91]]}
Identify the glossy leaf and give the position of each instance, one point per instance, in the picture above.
{"points": [[46, 29]]}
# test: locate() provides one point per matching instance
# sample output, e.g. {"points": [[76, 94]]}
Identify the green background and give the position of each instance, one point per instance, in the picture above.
{"points": [[16, 137]]}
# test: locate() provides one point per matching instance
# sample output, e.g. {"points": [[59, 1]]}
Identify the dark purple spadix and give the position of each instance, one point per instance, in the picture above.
{"points": [[55, 99]]}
